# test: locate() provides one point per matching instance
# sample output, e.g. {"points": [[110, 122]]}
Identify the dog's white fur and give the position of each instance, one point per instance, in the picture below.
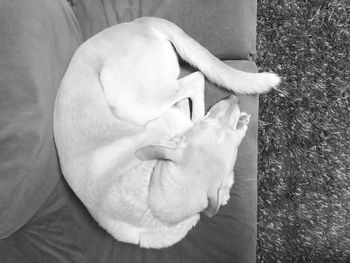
{"points": [[139, 69], [198, 172], [117, 98]]}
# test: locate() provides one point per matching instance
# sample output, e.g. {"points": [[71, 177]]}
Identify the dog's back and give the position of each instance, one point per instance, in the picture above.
{"points": [[139, 69], [85, 128], [97, 149]]}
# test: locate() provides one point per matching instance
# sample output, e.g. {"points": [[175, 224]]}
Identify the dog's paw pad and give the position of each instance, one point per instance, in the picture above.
{"points": [[224, 196], [243, 119]]}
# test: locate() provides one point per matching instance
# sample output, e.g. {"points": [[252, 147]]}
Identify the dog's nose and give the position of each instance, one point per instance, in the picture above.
{"points": [[233, 112], [226, 110]]}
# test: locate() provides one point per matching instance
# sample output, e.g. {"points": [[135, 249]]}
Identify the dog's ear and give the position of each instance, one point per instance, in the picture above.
{"points": [[164, 150], [213, 203]]}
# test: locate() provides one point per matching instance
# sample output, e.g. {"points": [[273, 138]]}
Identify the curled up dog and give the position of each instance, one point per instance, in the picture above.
{"points": [[127, 148]]}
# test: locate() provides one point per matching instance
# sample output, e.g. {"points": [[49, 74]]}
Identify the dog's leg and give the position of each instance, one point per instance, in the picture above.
{"points": [[120, 154], [184, 107], [189, 87], [192, 87]]}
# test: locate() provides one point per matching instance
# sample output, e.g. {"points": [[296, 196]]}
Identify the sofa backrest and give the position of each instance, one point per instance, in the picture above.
{"points": [[226, 27]]}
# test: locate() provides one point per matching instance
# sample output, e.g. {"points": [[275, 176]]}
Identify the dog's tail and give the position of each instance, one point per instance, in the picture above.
{"points": [[214, 69]]}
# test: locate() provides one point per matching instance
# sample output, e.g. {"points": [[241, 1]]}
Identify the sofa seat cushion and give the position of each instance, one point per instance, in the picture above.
{"points": [[230, 236]]}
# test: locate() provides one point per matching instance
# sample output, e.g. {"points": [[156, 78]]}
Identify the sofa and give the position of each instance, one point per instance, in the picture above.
{"points": [[227, 28]]}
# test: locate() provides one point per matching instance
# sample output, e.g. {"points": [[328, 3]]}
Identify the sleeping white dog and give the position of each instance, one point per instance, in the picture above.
{"points": [[124, 143]]}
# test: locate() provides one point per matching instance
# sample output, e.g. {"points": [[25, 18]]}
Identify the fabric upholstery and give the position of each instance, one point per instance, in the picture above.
{"points": [[63, 231], [228, 237], [37, 40], [226, 27], [52, 235]]}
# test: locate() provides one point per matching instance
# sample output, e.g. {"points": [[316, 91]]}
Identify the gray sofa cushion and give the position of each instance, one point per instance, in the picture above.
{"points": [[35, 49], [228, 237], [227, 27]]}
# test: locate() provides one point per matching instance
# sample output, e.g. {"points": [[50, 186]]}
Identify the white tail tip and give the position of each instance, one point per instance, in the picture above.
{"points": [[270, 79]]}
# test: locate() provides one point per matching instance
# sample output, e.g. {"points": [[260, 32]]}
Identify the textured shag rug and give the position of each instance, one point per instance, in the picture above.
{"points": [[304, 132]]}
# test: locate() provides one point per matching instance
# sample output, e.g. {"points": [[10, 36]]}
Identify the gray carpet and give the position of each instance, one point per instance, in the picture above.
{"points": [[304, 132]]}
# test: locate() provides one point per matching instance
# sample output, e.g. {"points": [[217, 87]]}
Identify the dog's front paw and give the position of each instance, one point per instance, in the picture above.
{"points": [[241, 128], [224, 195], [243, 120]]}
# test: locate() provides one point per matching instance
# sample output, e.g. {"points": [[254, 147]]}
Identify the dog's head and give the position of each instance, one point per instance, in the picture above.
{"points": [[205, 155], [221, 132]]}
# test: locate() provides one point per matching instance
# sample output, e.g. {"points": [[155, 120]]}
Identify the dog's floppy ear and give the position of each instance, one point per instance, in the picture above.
{"points": [[213, 203], [164, 150]]}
